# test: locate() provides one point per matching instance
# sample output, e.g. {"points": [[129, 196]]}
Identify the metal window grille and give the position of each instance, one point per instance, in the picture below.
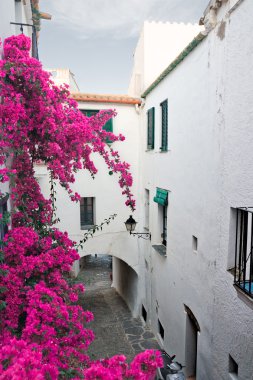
{"points": [[87, 212], [151, 128], [243, 274], [164, 137]]}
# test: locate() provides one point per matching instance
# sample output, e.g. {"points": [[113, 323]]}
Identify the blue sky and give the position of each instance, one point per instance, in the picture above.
{"points": [[96, 38]]}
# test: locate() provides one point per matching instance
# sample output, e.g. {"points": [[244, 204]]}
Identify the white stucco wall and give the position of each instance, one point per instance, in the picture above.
{"points": [[207, 170], [126, 282], [12, 11], [158, 45]]}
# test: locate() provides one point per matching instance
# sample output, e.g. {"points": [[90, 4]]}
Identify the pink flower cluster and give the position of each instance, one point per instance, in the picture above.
{"points": [[143, 367], [21, 361], [43, 330], [42, 119]]}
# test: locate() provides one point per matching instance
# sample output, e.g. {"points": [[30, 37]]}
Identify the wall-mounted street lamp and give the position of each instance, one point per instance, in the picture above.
{"points": [[130, 226]]}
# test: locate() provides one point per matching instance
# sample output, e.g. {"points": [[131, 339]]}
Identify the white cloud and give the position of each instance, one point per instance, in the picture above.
{"points": [[118, 18]]}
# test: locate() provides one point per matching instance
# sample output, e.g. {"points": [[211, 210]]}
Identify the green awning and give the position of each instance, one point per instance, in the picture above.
{"points": [[161, 197]]}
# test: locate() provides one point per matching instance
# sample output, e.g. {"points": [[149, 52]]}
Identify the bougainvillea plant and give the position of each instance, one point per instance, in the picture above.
{"points": [[43, 331]]}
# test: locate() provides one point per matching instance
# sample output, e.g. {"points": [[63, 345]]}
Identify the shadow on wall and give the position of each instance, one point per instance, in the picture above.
{"points": [[125, 281]]}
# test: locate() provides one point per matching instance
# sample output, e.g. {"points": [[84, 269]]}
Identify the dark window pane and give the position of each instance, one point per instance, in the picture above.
{"points": [[87, 212]]}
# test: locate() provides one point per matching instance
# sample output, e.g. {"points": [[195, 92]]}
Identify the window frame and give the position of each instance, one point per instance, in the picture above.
{"points": [[83, 209], [108, 127]]}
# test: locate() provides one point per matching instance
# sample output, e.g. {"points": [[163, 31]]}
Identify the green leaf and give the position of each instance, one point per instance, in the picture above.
{"points": [[2, 305]]}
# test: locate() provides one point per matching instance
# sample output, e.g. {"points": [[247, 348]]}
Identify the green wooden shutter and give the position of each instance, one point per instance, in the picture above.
{"points": [[108, 126], [164, 136], [151, 128], [161, 196]]}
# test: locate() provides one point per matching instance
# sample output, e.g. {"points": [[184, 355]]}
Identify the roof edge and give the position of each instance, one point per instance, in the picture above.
{"points": [[187, 50], [96, 98]]}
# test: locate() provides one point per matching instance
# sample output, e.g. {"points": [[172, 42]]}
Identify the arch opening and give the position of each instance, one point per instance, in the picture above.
{"points": [[191, 343]]}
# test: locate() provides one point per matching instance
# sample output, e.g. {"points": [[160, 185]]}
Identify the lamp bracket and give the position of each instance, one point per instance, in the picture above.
{"points": [[143, 235]]}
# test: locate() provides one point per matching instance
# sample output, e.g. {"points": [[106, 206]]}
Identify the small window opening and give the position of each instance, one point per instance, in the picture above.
{"points": [[232, 368], [144, 313], [160, 329], [194, 243]]}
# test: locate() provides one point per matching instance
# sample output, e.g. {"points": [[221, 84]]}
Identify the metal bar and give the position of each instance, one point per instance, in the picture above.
{"points": [[21, 23], [240, 247], [143, 235], [245, 238], [236, 250], [251, 259]]}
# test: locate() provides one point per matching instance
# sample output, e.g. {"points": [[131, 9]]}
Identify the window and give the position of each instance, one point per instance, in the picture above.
{"points": [[144, 313], [87, 212], [164, 130], [3, 210], [151, 128], [194, 243], [146, 204], [160, 329], [162, 199], [243, 267], [164, 233], [232, 368], [108, 125]]}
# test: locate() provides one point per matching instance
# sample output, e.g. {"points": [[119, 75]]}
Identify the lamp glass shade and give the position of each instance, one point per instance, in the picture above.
{"points": [[130, 224]]}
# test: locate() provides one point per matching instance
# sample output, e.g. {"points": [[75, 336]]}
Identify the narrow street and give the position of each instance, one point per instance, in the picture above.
{"points": [[115, 330]]}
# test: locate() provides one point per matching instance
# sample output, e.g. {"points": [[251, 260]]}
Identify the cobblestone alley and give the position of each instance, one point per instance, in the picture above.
{"points": [[115, 329]]}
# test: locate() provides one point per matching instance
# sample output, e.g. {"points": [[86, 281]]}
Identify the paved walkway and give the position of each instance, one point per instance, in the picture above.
{"points": [[115, 330]]}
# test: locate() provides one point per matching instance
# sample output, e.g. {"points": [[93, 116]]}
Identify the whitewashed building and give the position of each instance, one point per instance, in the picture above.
{"points": [[158, 44], [65, 76], [195, 177], [101, 197]]}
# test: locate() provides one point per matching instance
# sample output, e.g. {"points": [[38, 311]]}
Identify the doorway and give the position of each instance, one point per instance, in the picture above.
{"points": [[191, 343]]}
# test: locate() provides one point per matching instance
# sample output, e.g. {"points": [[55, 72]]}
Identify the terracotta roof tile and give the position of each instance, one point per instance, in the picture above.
{"points": [[99, 98]]}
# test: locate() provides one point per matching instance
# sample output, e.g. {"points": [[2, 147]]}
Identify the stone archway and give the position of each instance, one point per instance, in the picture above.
{"points": [[124, 279], [126, 283]]}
